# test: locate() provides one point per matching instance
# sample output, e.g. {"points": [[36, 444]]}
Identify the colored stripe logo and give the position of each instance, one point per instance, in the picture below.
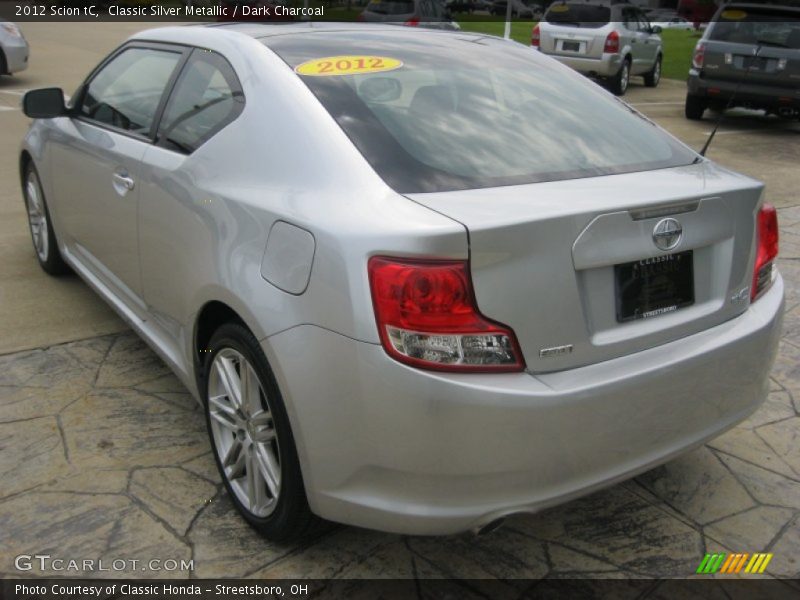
{"points": [[734, 563]]}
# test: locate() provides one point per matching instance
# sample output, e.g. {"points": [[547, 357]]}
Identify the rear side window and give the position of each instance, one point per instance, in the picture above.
{"points": [[390, 7], [756, 25], [578, 15], [126, 92], [206, 98]]}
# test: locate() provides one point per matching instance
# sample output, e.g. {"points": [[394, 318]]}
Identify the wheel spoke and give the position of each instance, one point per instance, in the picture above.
{"points": [[230, 380], [232, 454], [223, 413], [237, 469], [251, 389], [269, 468], [255, 481]]}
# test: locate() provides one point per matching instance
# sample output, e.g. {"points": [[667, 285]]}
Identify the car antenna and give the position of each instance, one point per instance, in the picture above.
{"points": [[728, 105]]}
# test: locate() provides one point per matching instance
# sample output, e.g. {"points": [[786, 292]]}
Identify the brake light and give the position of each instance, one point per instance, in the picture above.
{"points": [[361, 18], [766, 250], [612, 43], [699, 56], [427, 317], [412, 22], [535, 37]]}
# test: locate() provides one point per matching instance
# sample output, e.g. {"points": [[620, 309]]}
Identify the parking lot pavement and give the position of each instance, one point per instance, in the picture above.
{"points": [[104, 455]]}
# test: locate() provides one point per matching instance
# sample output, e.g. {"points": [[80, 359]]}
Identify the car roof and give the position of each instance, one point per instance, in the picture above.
{"points": [[263, 32]]}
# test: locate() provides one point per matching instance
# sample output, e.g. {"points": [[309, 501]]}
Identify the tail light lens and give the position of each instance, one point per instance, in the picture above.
{"points": [[766, 250], [361, 18], [412, 22], [427, 317], [699, 56], [535, 37], [612, 43]]}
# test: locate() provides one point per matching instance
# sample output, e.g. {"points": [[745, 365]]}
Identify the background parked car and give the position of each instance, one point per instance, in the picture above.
{"points": [[424, 13], [673, 23], [519, 10], [14, 51], [602, 39], [749, 56]]}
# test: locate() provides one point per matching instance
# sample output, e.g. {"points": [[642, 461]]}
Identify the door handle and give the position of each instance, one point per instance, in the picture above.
{"points": [[123, 182]]}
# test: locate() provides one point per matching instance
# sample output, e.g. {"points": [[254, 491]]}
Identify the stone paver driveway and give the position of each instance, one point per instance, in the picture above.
{"points": [[103, 454]]}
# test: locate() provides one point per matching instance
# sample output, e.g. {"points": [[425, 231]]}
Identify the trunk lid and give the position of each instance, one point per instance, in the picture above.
{"points": [[543, 256], [779, 67]]}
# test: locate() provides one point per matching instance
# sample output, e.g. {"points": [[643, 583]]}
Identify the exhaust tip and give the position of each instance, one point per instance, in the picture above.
{"points": [[490, 527]]}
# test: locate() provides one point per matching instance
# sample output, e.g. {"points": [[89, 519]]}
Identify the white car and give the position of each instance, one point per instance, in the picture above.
{"points": [[674, 23], [14, 51]]}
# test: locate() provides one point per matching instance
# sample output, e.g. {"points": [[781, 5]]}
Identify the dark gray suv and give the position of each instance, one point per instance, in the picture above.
{"points": [[749, 56]]}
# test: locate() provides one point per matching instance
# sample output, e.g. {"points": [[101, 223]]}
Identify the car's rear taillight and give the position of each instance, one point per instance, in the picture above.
{"points": [[699, 55], [766, 250], [427, 317], [535, 37], [412, 22], [612, 43]]}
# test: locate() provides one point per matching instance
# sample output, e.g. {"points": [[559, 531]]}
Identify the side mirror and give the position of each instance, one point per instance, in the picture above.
{"points": [[45, 103], [655, 29]]}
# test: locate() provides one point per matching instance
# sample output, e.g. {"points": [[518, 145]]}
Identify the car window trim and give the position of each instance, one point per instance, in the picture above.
{"points": [[156, 132], [183, 50]]}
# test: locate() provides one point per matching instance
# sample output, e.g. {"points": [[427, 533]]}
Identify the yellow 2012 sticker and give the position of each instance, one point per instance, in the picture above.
{"points": [[558, 8], [347, 65], [733, 15]]}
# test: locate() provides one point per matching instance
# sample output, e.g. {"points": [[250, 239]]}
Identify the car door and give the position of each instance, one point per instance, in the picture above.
{"points": [[97, 161], [651, 42], [633, 32], [177, 217]]}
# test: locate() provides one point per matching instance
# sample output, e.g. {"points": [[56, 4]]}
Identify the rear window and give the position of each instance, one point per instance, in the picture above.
{"points": [[390, 7], [756, 25], [578, 15], [461, 111]]}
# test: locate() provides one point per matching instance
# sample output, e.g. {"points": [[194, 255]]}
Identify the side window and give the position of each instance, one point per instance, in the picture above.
{"points": [[206, 98], [630, 21], [644, 23], [126, 92]]}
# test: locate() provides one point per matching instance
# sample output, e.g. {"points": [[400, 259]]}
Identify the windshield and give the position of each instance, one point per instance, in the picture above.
{"points": [[749, 25], [458, 111], [578, 15]]}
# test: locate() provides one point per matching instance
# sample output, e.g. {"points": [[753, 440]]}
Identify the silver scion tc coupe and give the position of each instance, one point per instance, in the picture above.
{"points": [[418, 280]]}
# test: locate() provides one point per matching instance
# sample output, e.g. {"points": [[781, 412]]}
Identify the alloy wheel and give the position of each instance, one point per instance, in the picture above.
{"points": [[37, 217], [244, 432]]}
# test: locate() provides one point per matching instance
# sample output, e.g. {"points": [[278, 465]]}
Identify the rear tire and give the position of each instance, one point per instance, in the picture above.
{"points": [[250, 433], [695, 107], [41, 225], [652, 77], [619, 83]]}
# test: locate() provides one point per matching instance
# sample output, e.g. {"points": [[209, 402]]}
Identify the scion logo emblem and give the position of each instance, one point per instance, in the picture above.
{"points": [[667, 234]]}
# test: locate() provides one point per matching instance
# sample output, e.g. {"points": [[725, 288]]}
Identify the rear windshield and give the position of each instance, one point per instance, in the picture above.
{"points": [[756, 25], [578, 15], [461, 111], [390, 7]]}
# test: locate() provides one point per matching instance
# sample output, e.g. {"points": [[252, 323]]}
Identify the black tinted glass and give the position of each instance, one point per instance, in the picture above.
{"points": [[207, 97], [756, 25], [126, 92], [578, 15], [464, 111]]}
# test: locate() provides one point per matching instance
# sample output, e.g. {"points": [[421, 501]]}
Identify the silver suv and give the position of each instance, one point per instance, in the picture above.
{"points": [[602, 39]]}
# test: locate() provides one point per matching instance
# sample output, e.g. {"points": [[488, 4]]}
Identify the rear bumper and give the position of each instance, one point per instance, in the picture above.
{"points": [[744, 94], [607, 66], [389, 447], [16, 53]]}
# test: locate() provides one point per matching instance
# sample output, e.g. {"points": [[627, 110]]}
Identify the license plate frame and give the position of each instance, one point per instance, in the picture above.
{"points": [[654, 286]]}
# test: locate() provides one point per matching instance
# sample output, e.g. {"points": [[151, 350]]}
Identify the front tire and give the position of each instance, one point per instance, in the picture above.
{"points": [[695, 107], [250, 433], [652, 77], [619, 83], [41, 225]]}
